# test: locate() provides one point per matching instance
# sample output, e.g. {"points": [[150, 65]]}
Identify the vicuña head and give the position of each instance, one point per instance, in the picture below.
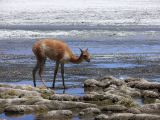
{"points": [[85, 55], [59, 52]]}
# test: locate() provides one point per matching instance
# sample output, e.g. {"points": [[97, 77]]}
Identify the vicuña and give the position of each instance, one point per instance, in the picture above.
{"points": [[57, 51]]}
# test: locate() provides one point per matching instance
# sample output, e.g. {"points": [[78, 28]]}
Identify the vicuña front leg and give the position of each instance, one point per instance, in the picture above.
{"points": [[55, 73], [62, 73]]}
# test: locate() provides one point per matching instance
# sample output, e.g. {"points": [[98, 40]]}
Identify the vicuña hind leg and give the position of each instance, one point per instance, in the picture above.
{"points": [[34, 73], [41, 68]]}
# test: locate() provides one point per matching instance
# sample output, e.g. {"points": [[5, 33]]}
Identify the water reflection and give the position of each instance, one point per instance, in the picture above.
{"points": [[72, 91]]}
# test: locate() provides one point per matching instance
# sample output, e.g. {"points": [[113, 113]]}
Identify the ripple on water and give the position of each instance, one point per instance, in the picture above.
{"points": [[117, 65]]}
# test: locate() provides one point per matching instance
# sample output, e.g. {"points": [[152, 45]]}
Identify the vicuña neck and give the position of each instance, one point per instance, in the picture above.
{"points": [[76, 59]]}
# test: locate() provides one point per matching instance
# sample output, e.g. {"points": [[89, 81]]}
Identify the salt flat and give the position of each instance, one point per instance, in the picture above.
{"points": [[80, 12]]}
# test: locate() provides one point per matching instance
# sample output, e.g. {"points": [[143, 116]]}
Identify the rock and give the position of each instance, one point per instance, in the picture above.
{"points": [[114, 108], [133, 92], [116, 95], [16, 91], [90, 111], [150, 94], [102, 117], [61, 105], [130, 116], [147, 117], [134, 110], [121, 116], [113, 97], [150, 108], [101, 97], [128, 80], [10, 92], [102, 83], [19, 101], [57, 114], [23, 87], [32, 101], [157, 101], [144, 85], [148, 100], [91, 83], [127, 101], [46, 93], [64, 97], [25, 108], [111, 88], [120, 98], [108, 80], [93, 97], [121, 92], [15, 101], [4, 85]]}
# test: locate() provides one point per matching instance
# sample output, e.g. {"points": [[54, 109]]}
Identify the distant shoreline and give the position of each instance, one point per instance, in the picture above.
{"points": [[45, 27]]}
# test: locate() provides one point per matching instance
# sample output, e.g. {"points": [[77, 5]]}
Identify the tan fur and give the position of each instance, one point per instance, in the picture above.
{"points": [[53, 49]]}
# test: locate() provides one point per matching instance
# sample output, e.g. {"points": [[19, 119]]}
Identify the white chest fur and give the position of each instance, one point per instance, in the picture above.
{"points": [[66, 58]]}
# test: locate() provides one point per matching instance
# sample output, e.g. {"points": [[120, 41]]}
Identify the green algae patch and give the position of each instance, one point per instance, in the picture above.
{"points": [[46, 94], [8, 94]]}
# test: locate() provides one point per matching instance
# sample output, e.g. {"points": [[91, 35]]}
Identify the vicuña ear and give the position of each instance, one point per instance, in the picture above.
{"points": [[86, 49], [81, 50]]}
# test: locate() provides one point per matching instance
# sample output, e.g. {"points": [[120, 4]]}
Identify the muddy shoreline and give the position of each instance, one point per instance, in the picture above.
{"points": [[11, 70]]}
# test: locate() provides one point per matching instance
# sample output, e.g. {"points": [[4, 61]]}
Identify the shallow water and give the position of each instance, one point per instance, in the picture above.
{"points": [[139, 101], [72, 91], [17, 117], [25, 117], [117, 65]]}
